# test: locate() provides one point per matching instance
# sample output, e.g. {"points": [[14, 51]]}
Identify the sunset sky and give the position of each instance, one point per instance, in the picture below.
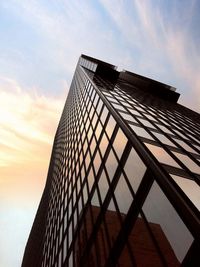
{"points": [[41, 42]]}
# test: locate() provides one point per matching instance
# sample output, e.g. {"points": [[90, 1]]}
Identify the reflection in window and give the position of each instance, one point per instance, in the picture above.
{"points": [[100, 104], [111, 165], [126, 104], [158, 210], [190, 188], [104, 114], [65, 248], [123, 195], [163, 139], [112, 100], [162, 155], [141, 132], [103, 144], [188, 162], [98, 130], [110, 126], [111, 205], [134, 112], [165, 129], [143, 251], [118, 107], [103, 185], [119, 143], [146, 123], [134, 169], [97, 162], [95, 199], [90, 178], [128, 117], [185, 146], [93, 145]]}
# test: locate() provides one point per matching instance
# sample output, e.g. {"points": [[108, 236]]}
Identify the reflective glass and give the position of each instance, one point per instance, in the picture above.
{"points": [[103, 185], [134, 112], [163, 139], [123, 195], [162, 155], [110, 126], [90, 179], [159, 211], [134, 169], [188, 162], [146, 123], [119, 143], [97, 162], [128, 117], [142, 251], [111, 165], [185, 146], [104, 114], [141, 131], [118, 107], [190, 188], [103, 144]]}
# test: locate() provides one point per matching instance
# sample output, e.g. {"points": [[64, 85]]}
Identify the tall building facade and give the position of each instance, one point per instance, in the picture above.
{"points": [[123, 181]]}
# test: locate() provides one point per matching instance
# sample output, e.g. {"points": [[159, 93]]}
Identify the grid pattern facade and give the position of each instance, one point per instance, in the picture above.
{"points": [[122, 150]]}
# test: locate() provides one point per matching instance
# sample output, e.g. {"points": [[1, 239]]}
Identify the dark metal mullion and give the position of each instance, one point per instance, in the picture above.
{"points": [[153, 142], [83, 163], [58, 180], [103, 167], [183, 123], [160, 131], [172, 155], [94, 173], [80, 198], [100, 170], [69, 219], [175, 127], [182, 208], [106, 201], [128, 149], [130, 219], [169, 151]]}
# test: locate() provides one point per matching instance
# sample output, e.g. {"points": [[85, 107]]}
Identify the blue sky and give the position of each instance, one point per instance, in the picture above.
{"points": [[40, 45]]}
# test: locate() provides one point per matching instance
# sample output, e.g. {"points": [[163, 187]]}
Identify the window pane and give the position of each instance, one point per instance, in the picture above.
{"points": [[159, 210], [141, 132], [162, 155], [110, 126], [188, 162], [134, 169], [123, 195], [190, 188], [103, 185], [119, 143], [111, 165]]}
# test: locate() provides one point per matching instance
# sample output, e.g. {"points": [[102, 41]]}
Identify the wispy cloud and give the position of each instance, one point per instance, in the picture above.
{"points": [[164, 46], [27, 122]]}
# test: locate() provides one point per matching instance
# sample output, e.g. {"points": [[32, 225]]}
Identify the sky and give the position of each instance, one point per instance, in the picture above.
{"points": [[41, 42]]}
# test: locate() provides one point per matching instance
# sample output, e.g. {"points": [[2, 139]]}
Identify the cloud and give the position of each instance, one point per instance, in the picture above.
{"points": [[28, 121], [163, 47]]}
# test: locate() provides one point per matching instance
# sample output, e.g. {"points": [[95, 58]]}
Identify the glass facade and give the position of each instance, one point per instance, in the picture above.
{"points": [[123, 181]]}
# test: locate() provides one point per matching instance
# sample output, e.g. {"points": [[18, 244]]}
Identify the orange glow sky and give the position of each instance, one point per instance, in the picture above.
{"points": [[27, 126]]}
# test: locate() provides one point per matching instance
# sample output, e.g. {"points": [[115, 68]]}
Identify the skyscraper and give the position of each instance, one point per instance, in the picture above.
{"points": [[123, 181]]}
